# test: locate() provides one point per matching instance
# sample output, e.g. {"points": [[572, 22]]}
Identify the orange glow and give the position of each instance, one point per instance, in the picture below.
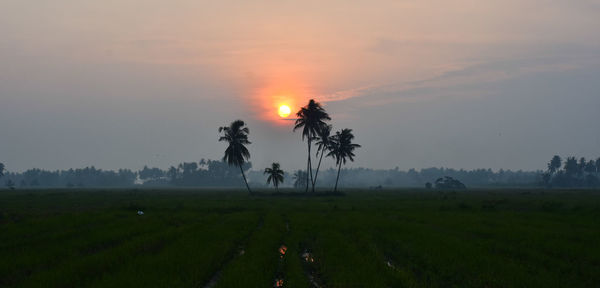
{"points": [[282, 250], [284, 111], [279, 87]]}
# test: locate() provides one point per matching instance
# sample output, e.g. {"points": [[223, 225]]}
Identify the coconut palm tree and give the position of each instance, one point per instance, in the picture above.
{"points": [[342, 148], [275, 175], [311, 118], [324, 140], [236, 153]]}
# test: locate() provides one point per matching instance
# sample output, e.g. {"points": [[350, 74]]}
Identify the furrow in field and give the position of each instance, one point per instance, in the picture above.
{"points": [[259, 263], [239, 250]]}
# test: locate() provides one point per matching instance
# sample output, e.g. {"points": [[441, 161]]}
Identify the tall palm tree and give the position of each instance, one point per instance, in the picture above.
{"points": [[324, 140], [311, 118], [275, 175], [236, 153], [342, 148]]}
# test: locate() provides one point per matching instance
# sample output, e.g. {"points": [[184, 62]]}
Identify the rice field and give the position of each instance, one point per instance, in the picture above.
{"points": [[365, 238]]}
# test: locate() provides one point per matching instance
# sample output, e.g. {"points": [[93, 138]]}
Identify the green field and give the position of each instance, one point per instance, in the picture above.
{"points": [[369, 238]]}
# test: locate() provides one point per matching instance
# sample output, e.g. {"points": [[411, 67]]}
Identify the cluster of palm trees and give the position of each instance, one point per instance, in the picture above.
{"points": [[312, 121]]}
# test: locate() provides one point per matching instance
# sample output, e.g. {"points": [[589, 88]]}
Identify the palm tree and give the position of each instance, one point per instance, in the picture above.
{"points": [[275, 175], [342, 148], [324, 141], [236, 153], [311, 118], [554, 164]]}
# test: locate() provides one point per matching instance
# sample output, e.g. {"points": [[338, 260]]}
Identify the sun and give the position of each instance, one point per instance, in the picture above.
{"points": [[284, 111]]}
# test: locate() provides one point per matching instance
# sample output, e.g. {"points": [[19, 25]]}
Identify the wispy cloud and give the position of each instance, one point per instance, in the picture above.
{"points": [[463, 76]]}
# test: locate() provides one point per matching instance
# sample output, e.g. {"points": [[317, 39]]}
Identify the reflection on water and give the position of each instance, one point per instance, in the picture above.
{"points": [[278, 283]]}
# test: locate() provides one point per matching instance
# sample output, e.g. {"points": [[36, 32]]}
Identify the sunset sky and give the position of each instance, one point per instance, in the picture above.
{"points": [[463, 84]]}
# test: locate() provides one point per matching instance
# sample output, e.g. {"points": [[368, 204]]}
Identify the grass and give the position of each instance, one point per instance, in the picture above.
{"points": [[371, 238]]}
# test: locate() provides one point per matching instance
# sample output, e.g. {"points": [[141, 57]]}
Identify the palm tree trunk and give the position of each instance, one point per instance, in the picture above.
{"points": [[245, 181], [310, 160], [317, 172], [308, 166], [338, 177]]}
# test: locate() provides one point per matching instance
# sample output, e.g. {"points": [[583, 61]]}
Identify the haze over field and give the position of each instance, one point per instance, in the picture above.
{"points": [[467, 84]]}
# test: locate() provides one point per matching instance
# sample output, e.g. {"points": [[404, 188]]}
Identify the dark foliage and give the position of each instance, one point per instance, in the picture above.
{"points": [[448, 183], [275, 175], [574, 173], [341, 149], [236, 154], [312, 120]]}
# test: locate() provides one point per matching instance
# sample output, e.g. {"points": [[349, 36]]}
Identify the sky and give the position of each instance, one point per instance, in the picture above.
{"points": [[463, 84]]}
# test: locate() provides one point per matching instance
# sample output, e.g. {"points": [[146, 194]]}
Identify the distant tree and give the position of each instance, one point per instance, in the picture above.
{"points": [[342, 148], [188, 168], [590, 167], [172, 174], [324, 140], [10, 184], [428, 185], [150, 173], [554, 164], [22, 183], [275, 175], [598, 165], [448, 183], [591, 181], [236, 153], [1, 169], [581, 166], [571, 166], [299, 179], [311, 118], [546, 179]]}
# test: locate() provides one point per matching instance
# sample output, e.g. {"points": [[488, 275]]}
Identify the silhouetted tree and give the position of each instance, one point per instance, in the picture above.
{"points": [[311, 118], [236, 153], [590, 167], [449, 183], [571, 166], [172, 174], [581, 166], [547, 178], [1, 169], [342, 148], [554, 164], [575, 173], [275, 175], [299, 179], [323, 145]]}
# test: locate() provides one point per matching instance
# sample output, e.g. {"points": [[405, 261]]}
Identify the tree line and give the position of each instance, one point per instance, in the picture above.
{"points": [[571, 172], [216, 173]]}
